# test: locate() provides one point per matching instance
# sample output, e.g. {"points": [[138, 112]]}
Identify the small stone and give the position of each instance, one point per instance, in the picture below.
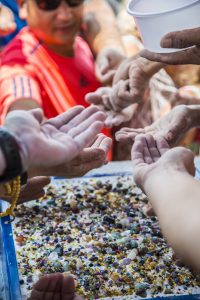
{"points": [[79, 264], [73, 203], [133, 254], [115, 276]]}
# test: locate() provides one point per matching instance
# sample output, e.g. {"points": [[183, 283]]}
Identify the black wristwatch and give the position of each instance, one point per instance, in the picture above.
{"points": [[11, 152]]}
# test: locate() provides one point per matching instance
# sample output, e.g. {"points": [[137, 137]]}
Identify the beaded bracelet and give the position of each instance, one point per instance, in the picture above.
{"points": [[13, 191]]}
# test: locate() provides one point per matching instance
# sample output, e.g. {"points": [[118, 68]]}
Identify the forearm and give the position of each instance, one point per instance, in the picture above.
{"points": [[174, 195], [101, 29], [24, 104]]}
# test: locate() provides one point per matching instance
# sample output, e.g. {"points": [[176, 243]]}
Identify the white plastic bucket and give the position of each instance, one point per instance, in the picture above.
{"points": [[155, 18]]}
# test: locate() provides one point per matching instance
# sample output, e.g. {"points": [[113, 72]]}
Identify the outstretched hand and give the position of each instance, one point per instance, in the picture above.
{"points": [[34, 189], [7, 22], [88, 159], [171, 127], [56, 141], [152, 156], [102, 97], [107, 62], [189, 38]]}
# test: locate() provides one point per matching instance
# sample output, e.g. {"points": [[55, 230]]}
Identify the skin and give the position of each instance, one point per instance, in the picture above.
{"points": [[101, 31], [58, 140], [74, 131], [61, 25], [129, 85], [55, 286], [7, 23], [171, 127], [179, 40], [167, 178], [34, 189], [100, 98]]}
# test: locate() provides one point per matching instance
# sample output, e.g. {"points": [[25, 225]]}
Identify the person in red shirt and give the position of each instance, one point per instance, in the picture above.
{"points": [[47, 65]]}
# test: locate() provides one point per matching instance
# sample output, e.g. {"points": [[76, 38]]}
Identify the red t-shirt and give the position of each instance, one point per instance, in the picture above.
{"points": [[29, 70]]}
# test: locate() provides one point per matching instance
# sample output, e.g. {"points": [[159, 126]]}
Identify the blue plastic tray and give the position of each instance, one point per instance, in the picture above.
{"points": [[11, 287]]}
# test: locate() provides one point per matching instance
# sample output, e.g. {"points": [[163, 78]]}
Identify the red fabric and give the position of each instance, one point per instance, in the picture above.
{"points": [[30, 70]]}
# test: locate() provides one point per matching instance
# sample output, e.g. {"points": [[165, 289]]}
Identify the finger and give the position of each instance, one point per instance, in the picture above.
{"points": [[162, 145], [103, 64], [76, 130], [86, 137], [181, 39], [31, 197], [65, 117], [108, 105], [88, 155], [106, 144], [37, 114], [87, 116], [125, 93], [94, 98], [117, 120], [175, 58], [117, 102], [108, 77], [108, 121], [146, 151], [137, 152], [123, 137], [152, 146], [98, 141], [37, 182]]}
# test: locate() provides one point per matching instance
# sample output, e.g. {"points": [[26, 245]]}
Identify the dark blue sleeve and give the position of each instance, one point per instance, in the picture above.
{"points": [[20, 23]]}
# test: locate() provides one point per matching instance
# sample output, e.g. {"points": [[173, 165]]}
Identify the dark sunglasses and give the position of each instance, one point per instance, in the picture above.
{"points": [[54, 4]]}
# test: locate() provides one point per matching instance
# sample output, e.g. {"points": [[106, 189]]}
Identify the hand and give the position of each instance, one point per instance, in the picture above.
{"points": [[55, 286], [90, 158], [171, 127], [131, 81], [102, 97], [7, 22], [179, 40], [34, 189], [107, 62], [152, 156], [56, 141], [132, 89]]}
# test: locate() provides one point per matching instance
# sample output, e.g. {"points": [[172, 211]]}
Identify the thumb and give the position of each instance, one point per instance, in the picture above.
{"points": [[181, 39], [93, 98], [103, 64], [37, 114]]}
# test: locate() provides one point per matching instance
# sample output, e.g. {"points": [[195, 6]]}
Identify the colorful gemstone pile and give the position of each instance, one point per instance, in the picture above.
{"points": [[98, 231]]}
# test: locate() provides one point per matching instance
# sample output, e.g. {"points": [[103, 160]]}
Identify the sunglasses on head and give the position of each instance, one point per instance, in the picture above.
{"points": [[54, 4]]}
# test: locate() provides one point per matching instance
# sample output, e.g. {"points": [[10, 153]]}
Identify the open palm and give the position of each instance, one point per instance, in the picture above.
{"points": [[171, 127], [58, 140]]}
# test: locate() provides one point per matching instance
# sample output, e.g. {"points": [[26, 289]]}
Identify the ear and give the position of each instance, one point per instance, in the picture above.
{"points": [[23, 9]]}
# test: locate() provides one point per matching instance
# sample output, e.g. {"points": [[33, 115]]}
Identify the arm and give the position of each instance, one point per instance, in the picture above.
{"points": [[18, 92], [166, 176], [174, 195], [102, 33], [24, 104], [101, 29]]}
